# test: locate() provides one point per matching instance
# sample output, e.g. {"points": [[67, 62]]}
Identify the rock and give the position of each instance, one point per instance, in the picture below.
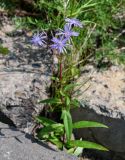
{"points": [[19, 95], [102, 99], [24, 77], [112, 138], [104, 91], [16, 145], [6, 120]]}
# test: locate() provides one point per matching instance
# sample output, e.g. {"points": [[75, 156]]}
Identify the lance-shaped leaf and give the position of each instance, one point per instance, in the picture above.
{"points": [[87, 144], [56, 141], [44, 121], [51, 101], [67, 120], [70, 86], [78, 151], [57, 128], [75, 103], [67, 101], [88, 124]]}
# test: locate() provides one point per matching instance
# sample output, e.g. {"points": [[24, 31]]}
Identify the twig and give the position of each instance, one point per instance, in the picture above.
{"points": [[120, 34]]}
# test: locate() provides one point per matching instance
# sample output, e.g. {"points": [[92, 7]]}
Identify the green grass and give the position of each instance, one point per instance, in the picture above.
{"points": [[100, 36], [7, 5]]}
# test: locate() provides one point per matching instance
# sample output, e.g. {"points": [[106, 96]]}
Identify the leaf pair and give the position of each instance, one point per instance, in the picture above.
{"points": [[51, 131]]}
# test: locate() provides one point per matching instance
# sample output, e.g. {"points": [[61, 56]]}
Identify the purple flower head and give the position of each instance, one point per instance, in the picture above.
{"points": [[67, 32], [59, 44], [38, 39], [73, 22]]}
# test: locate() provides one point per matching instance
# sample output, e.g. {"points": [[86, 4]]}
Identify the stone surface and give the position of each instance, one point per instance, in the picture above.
{"points": [[104, 91], [102, 99], [112, 138], [24, 75], [15, 145]]}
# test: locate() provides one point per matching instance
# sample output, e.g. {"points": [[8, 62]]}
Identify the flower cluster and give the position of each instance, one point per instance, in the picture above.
{"points": [[62, 37], [66, 34]]}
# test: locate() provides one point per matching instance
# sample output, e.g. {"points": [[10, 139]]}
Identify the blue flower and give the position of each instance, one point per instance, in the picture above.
{"points": [[67, 32], [59, 44], [73, 22], [38, 39]]}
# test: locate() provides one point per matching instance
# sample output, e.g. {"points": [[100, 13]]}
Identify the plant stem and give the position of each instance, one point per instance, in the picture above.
{"points": [[60, 71]]}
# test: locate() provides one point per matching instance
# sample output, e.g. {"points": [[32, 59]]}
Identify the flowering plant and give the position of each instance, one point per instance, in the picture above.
{"points": [[61, 100]]}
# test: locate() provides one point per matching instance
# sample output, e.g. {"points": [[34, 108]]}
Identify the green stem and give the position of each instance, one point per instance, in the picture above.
{"points": [[60, 71]]}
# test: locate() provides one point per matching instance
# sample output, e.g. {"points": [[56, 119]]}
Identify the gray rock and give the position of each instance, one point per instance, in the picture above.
{"points": [[102, 99], [19, 95], [104, 91], [24, 77], [15, 145], [112, 138]]}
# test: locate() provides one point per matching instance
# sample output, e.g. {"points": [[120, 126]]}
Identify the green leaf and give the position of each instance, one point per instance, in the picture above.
{"points": [[70, 86], [4, 50], [55, 78], [81, 8], [44, 121], [87, 124], [78, 151], [57, 128], [67, 120], [74, 71], [71, 150], [87, 144], [75, 102], [63, 94], [30, 20], [51, 101], [67, 101], [56, 141]]}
